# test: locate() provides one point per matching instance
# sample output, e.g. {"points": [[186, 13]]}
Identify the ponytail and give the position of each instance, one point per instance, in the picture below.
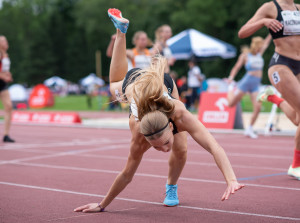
{"points": [[148, 89]]}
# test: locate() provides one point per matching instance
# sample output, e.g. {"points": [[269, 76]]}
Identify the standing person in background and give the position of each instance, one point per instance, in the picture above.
{"points": [[195, 78], [282, 18], [162, 34], [253, 62], [5, 78], [183, 90], [139, 56]]}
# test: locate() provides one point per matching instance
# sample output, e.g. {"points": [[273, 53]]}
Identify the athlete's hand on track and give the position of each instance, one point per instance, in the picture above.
{"points": [[231, 188], [273, 24], [88, 208]]}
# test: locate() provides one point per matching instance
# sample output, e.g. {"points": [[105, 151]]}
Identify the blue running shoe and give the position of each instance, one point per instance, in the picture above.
{"points": [[171, 196], [120, 23]]}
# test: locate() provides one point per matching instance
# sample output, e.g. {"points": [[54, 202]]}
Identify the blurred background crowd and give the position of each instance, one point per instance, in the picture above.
{"points": [[65, 44]]}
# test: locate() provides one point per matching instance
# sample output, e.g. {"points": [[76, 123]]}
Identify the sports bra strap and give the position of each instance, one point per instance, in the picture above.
{"points": [[277, 5], [279, 8]]}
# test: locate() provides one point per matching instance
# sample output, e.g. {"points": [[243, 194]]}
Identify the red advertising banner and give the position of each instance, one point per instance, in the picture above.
{"points": [[46, 117], [214, 111], [41, 97]]}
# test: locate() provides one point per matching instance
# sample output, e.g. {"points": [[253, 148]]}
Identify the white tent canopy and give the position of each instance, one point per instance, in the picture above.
{"points": [[192, 43], [18, 92], [55, 81], [92, 79]]}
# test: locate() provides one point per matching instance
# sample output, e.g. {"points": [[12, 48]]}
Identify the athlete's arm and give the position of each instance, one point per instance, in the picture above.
{"points": [[138, 147], [110, 47], [240, 62], [266, 43], [264, 16], [121, 181], [201, 135]]}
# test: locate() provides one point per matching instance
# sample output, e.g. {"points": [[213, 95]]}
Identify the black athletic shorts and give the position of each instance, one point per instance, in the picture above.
{"points": [[168, 81], [294, 65], [3, 85]]}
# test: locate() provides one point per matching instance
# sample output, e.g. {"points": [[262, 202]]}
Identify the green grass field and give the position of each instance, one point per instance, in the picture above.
{"points": [[79, 103]]}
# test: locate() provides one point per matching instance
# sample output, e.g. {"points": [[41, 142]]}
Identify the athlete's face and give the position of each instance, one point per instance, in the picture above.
{"points": [[142, 41], [165, 142]]}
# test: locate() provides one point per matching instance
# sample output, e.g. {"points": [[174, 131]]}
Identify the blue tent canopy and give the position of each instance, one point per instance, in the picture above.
{"points": [[192, 43]]}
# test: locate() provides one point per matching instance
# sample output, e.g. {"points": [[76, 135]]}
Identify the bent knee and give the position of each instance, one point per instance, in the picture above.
{"points": [[180, 153], [297, 120]]}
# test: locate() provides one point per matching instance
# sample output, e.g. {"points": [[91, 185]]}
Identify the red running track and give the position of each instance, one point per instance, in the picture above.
{"points": [[52, 170]]}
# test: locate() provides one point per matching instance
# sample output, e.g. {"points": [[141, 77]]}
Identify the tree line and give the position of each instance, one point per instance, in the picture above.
{"points": [[60, 37]]}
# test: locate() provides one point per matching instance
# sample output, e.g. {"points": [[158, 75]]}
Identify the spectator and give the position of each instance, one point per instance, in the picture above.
{"points": [[162, 34], [5, 78], [139, 56], [195, 78]]}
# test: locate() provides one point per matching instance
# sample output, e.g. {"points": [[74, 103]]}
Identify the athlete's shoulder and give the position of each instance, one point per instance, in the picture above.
{"points": [[269, 5], [180, 109], [267, 9]]}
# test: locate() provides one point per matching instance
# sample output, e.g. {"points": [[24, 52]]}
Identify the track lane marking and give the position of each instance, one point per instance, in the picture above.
{"points": [[149, 202], [71, 152], [148, 175]]}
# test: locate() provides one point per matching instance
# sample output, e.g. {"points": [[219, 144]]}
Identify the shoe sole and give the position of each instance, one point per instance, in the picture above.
{"points": [[120, 23], [170, 205], [291, 175], [115, 12], [263, 97]]}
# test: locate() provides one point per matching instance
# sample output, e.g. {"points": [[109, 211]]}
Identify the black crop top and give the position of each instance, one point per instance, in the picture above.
{"points": [[175, 131], [168, 81], [287, 25]]}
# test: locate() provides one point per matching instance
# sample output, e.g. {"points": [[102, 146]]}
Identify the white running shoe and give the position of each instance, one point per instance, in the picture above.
{"points": [[263, 96], [232, 86], [294, 172], [250, 133]]}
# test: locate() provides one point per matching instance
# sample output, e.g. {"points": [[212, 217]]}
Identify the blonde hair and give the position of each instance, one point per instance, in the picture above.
{"points": [[153, 124], [256, 44], [148, 94], [245, 49]]}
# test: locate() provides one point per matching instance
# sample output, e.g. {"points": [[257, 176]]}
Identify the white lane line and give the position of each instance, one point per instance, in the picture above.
{"points": [[67, 153], [62, 144], [148, 160], [187, 163], [202, 152], [148, 175], [246, 155], [89, 214], [65, 218], [149, 202]]}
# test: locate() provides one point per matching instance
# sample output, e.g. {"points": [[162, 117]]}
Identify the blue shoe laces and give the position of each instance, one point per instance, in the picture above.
{"points": [[171, 192]]}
